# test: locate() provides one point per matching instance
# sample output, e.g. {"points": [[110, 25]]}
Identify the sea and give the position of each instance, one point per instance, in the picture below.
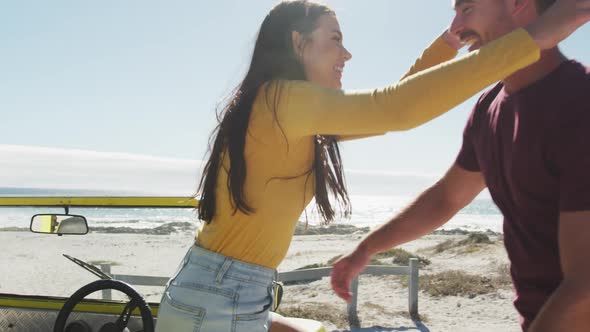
{"points": [[367, 211]]}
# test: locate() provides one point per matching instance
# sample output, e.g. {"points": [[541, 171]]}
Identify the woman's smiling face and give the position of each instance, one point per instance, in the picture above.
{"points": [[322, 52]]}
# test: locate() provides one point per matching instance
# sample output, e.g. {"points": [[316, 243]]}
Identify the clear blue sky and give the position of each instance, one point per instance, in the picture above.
{"points": [[143, 77]]}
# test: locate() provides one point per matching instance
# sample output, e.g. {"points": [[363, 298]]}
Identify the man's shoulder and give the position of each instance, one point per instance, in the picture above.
{"points": [[586, 73], [488, 96], [568, 103], [563, 91], [576, 80], [582, 67], [576, 72], [481, 107]]}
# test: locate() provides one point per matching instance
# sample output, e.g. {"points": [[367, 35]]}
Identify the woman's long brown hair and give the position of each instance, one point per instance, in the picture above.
{"points": [[273, 59]]}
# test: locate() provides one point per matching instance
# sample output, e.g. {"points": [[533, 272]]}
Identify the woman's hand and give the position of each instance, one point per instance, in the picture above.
{"points": [[452, 39], [558, 22]]}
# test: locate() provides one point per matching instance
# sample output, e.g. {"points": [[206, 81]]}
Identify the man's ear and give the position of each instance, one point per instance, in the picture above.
{"points": [[298, 42]]}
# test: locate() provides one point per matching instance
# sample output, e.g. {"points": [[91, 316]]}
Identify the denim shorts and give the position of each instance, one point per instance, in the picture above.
{"points": [[213, 292]]}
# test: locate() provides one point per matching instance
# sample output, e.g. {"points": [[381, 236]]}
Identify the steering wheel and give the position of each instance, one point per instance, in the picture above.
{"points": [[136, 301]]}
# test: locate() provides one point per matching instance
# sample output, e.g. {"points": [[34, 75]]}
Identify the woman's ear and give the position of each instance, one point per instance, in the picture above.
{"points": [[298, 42]]}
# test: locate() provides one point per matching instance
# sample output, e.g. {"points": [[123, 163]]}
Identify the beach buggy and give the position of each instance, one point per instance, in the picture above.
{"points": [[91, 307], [76, 313]]}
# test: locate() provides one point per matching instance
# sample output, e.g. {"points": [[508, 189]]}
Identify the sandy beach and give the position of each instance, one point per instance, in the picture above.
{"points": [[32, 264]]}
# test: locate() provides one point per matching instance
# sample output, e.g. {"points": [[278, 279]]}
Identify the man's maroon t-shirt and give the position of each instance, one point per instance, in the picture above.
{"points": [[533, 149]]}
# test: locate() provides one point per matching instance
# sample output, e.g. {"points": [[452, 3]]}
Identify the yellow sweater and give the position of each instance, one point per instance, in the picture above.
{"points": [[281, 146]]}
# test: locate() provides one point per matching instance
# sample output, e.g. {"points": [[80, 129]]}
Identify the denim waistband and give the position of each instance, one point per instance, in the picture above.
{"points": [[230, 267]]}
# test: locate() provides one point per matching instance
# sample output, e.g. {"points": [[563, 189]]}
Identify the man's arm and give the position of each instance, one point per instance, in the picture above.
{"points": [[432, 208], [568, 308]]}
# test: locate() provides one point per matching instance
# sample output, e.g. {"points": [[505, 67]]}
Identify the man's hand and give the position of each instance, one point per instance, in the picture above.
{"points": [[345, 270], [432, 209]]}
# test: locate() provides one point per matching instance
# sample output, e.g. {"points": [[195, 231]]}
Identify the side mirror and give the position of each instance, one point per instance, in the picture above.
{"points": [[59, 224]]}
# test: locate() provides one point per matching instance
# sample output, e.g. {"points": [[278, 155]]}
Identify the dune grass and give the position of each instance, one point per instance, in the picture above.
{"points": [[322, 312], [474, 242], [399, 256], [460, 283]]}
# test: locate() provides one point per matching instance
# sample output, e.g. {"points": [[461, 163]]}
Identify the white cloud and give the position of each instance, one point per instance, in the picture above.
{"points": [[55, 168], [41, 167]]}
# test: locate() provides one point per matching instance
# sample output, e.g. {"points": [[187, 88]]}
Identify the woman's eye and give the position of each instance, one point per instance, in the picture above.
{"points": [[466, 10]]}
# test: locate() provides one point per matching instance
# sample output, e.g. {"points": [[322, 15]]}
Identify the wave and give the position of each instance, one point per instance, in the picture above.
{"points": [[367, 211]]}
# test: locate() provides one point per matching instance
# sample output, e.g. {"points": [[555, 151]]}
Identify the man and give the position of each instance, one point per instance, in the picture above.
{"points": [[527, 142]]}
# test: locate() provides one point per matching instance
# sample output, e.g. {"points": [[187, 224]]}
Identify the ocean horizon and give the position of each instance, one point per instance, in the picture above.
{"points": [[367, 211]]}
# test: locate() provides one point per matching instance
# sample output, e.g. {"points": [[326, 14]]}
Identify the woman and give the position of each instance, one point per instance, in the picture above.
{"points": [[276, 148]]}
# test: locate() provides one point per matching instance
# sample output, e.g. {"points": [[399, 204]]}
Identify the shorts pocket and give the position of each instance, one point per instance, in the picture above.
{"points": [[191, 296], [178, 316], [183, 305]]}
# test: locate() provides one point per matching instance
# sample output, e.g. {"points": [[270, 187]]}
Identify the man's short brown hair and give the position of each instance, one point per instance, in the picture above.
{"points": [[542, 5]]}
